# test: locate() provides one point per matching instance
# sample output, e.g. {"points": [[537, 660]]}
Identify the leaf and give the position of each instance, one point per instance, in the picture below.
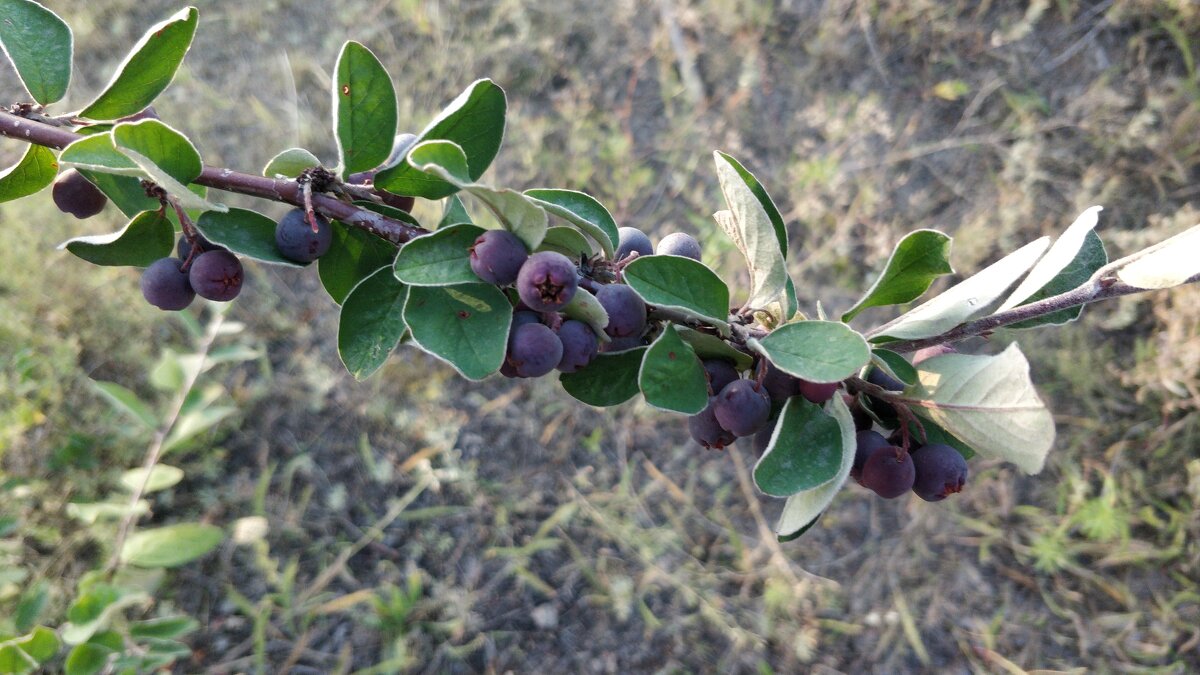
{"points": [[803, 508], [1171, 263], [454, 213], [35, 171], [41, 644], [1061, 254], [186, 197], [439, 259], [170, 546], [752, 231], [936, 434], [895, 365], [610, 379], [1089, 259], [817, 351], [163, 628], [918, 259], [290, 163], [586, 308], [170, 151], [582, 211], [14, 660], [94, 608], [516, 212], [764, 200], [671, 377], [969, 299], [364, 110], [194, 423], [99, 153], [475, 122], [244, 232], [147, 70], [989, 403], [371, 323], [162, 476], [125, 192], [144, 239], [87, 659], [33, 602], [709, 346], [465, 325], [40, 46], [680, 283], [567, 241], [352, 256], [127, 402], [805, 450]]}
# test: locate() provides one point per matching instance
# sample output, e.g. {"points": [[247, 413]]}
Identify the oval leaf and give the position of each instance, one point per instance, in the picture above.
{"points": [[290, 163], [466, 325], [439, 259], [1171, 263], [144, 239], [582, 211], [895, 365], [586, 308], [127, 402], [352, 256], [169, 150], [610, 379], [1091, 257], [161, 477], [918, 259], [710, 346], [371, 323], [40, 46], [680, 283], [671, 377], [147, 70], [752, 231], [764, 199], [805, 450], [803, 508], [244, 232], [364, 109], [567, 241], [817, 351], [1064, 250], [99, 153], [35, 171], [170, 546]]}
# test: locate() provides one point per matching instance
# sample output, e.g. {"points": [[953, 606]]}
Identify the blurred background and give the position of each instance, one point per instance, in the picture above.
{"points": [[419, 522]]}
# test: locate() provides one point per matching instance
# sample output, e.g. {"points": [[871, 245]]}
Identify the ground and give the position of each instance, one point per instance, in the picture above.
{"points": [[421, 523]]}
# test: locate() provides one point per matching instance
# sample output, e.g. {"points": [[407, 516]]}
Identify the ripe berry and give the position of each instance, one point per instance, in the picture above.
{"points": [[762, 439], [862, 421], [630, 239], [184, 248], [621, 344], [780, 386], [881, 379], [216, 275], [497, 256], [534, 350], [865, 444], [940, 471], [720, 373], [524, 316], [742, 407], [626, 310], [547, 281], [888, 472], [817, 392], [678, 243], [707, 431], [74, 194], [165, 285], [296, 240], [579, 345]]}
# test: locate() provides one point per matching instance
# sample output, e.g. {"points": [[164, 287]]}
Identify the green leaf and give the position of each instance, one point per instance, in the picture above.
{"points": [[87, 659], [971, 298], [805, 450], [586, 308], [35, 171], [817, 351], [918, 259], [40, 46], [465, 325], [94, 608], [682, 284], [439, 259], [567, 241], [352, 256], [764, 199], [14, 660], [163, 628], [195, 422], [1171, 263], [127, 402], [671, 377], [41, 644], [610, 379], [170, 546], [454, 213], [244, 232], [147, 70], [803, 508], [290, 163], [99, 153], [31, 605], [371, 323], [582, 211], [475, 122], [125, 192], [515, 212], [895, 365], [364, 110], [144, 239], [748, 225], [162, 476], [989, 402], [1091, 257], [170, 151], [710, 346], [1061, 254]]}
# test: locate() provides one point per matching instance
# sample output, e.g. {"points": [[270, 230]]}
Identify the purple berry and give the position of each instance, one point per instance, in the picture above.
{"points": [[742, 407], [888, 472], [621, 344], [630, 239], [626, 310], [74, 194], [865, 444], [862, 421], [184, 248], [579, 345], [881, 379], [762, 439], [547, 281], [780, 386], [216, 275], [720, 374], [534, 350], [165, 285], [497, 256], [818, 392], [707, 431], [678, 243], [295, 239], [940, 471], [524, 316]]}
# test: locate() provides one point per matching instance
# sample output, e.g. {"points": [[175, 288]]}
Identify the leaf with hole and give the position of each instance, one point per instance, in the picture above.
{"points": [[364, 110]]}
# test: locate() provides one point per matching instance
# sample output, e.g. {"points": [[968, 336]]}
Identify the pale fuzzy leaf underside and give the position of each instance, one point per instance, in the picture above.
{"points": [[751, 229], [1171, 263], [1064, 250]]}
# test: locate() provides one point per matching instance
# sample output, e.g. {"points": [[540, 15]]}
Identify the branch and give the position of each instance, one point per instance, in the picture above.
{"points": [[286, 191]]}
